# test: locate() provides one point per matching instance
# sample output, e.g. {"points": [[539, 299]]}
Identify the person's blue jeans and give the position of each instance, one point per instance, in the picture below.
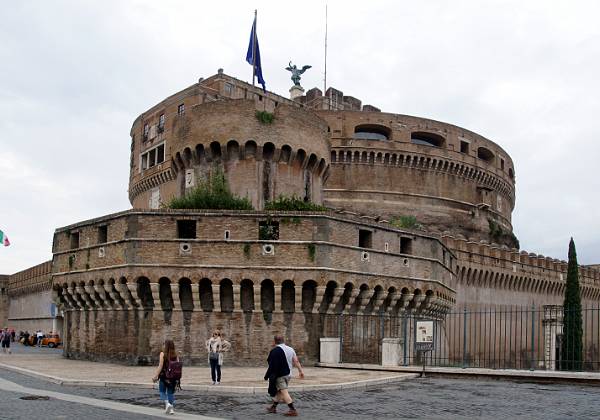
{"points": [[215, 370], [166, 391]]}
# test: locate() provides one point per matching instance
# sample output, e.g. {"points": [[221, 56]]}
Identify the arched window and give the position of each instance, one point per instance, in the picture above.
{"points": [[206, 295], [267, 296], [247, 295], [144, 292], [164, 291], [427, 139], [372, 132], [226, 295], [185, 294], [288, 296], [485, 154]]}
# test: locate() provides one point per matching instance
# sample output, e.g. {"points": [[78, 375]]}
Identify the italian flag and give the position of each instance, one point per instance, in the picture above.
{"points": [[4, 239]]}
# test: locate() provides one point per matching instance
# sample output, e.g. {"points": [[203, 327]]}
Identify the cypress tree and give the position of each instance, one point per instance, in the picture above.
{"points": [[572, 342]]}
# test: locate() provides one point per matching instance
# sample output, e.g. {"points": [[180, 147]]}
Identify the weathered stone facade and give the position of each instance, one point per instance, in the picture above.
{"points": [[152, 283], [127, 281]]}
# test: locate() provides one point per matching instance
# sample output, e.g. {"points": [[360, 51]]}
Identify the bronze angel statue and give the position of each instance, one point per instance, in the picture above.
{"points": [[296, 72]]}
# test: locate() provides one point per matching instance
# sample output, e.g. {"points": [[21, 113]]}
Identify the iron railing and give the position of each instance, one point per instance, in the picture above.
{"points": [[508, 338]]}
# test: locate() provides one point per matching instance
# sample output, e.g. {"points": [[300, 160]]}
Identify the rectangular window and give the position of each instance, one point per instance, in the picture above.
{"points": [[464, 147], [160, 153], [152, 158], [146, 131], [365, 238], [228, 88], [74, 240], [186, 229], [145, 161], [268, 231], [102, 234], [161, 123], [181, 109], [405, 245], [501, 164]]}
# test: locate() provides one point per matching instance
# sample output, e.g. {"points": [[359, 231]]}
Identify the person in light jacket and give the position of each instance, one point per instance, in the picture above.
{"points": [[216, 346]]}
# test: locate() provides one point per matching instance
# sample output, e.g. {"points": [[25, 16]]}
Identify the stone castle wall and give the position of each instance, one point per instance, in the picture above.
{"points": [[31, 306], [160, 285]]}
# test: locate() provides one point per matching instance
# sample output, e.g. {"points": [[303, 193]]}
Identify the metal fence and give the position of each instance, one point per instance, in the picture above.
{"points": [[510, 338]]}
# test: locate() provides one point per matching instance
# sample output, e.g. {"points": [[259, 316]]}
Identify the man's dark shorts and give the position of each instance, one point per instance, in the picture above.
{"points": [[6, 344]]}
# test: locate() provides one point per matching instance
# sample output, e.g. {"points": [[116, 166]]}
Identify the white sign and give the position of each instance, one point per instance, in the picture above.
{"points": [[424, 332], [424, 335]]}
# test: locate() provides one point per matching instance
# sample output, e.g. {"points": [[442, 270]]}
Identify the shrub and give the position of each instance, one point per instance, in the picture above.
{"points": [[265, 117], [405, 222], [293, 203], [211, 194]]}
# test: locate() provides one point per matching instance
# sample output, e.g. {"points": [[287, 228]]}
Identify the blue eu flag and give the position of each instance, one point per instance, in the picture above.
{"points": [[253, 56]]}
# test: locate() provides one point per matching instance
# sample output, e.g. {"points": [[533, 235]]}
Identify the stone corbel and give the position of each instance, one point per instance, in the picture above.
{"points": [[394, 298], [175, 296], [338, 292], [237, 298], [196, 296], [277, 303], [298, 299], [216, 298], [116, 298], [319, 293], [364, 299]]}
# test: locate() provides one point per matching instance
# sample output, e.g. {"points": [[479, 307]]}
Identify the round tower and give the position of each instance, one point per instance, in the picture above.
{"points": [[265, 146]]}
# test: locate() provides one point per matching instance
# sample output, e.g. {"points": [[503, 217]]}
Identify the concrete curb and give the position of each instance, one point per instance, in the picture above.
{"points": [[531, 375], [220, 389]]}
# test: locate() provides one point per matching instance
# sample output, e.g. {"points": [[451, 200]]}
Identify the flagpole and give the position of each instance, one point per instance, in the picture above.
{"points": [[254, 49], [325, 78]]}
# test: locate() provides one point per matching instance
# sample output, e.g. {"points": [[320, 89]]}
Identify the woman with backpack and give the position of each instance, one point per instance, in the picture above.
{"points": [[215, 346], [168, 375]]}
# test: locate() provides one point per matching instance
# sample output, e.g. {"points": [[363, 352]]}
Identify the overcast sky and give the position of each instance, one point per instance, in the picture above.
{"points": [[75, 74]]}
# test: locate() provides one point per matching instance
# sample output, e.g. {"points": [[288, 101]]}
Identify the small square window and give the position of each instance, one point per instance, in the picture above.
{"points": [[181, 109], [464, 147], [268, 231], [186, 229], [405, 245], [74, 240], [102, 234], [365, 238]]}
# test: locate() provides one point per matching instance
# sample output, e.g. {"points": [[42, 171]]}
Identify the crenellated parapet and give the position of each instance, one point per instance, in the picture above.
{"points": [[535, 277], [32, 280]]}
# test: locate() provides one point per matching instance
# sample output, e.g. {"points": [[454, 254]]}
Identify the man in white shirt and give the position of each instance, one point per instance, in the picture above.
{"points": [[292, 359], [40, 335]]}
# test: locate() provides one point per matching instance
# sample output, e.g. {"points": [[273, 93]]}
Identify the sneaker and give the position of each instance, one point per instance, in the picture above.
{"points": [[214, 383], [167, 407], [271, 409], [291, 413], [171, 409], [218, 383]]}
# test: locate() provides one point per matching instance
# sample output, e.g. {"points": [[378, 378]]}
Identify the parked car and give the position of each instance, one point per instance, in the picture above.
{"points": [[50, 340]]}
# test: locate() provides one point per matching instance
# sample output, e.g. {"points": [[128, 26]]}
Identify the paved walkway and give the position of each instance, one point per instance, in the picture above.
{"points": [[51, 366], [108, 407]]}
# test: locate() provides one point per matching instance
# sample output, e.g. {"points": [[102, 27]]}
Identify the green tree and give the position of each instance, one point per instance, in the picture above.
{"points": [[572, 343]]}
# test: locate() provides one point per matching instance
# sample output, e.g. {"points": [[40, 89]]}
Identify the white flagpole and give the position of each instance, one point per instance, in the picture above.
{"points": [[325, 78]]}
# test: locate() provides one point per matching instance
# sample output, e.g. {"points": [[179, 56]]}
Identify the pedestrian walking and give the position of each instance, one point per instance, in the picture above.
{"points": [[40, 336], [281, 360], [166, 384], [5, 340], [216, 346]]}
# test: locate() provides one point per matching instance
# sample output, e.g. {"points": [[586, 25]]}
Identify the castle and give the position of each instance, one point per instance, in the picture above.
{"points": [[419, 222]]}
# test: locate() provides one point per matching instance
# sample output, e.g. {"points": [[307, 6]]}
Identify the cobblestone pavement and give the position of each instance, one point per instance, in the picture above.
{"points": [[430, 398]]}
